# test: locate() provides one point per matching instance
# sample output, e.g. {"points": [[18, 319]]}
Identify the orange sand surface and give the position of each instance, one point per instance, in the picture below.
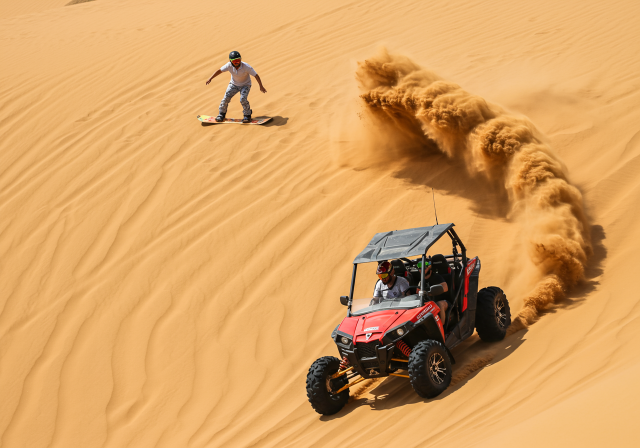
{"points": [[168, 284]]}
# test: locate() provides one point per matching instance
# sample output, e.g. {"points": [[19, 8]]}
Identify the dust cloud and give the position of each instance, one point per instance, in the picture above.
{"points": [[416, 107]]}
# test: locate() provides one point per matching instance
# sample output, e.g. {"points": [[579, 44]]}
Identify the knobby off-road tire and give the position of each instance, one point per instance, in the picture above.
{"points": [[319, 385], [493, 315], [429, 368]]}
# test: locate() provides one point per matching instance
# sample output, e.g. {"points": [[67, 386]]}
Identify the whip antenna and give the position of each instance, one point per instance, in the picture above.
{"points": [[434, 205]]}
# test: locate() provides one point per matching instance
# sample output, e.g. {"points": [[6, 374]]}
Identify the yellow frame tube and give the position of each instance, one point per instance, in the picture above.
{"points": [[346, 386], [341, 372]]}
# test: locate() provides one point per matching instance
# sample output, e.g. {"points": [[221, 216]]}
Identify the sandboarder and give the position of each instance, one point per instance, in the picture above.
{"points": [[241, 73]]}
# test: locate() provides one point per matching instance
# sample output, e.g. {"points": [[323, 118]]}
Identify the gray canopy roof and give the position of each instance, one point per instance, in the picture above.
{"points": [[401, 243]]}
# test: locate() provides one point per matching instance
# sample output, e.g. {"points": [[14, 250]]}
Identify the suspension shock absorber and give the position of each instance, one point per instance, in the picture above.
{"points": [[344, 363], [404, 348]]}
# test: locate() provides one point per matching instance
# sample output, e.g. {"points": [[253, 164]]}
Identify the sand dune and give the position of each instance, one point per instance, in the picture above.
{"points": [[15, 9], [169, 284]]}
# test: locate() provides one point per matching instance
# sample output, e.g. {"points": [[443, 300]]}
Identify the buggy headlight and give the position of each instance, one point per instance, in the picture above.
{"points": [[400, 331], [344, 340]]}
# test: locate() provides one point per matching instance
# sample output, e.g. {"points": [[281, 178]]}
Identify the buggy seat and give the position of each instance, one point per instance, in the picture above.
{"points": [[441, 266]]}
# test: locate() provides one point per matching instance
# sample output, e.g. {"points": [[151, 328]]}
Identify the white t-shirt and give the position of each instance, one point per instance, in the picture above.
{"points": [[383, 292], [240, 76]]}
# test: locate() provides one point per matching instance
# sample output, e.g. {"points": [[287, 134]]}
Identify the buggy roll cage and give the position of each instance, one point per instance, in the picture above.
{"points": [[402, 244]]}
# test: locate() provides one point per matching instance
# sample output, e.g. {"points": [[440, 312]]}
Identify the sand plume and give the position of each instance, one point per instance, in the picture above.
{"points": [[507, 150]]}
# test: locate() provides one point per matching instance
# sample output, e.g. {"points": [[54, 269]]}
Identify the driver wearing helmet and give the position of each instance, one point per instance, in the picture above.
{"points": [[241, 73], [389, 286]]}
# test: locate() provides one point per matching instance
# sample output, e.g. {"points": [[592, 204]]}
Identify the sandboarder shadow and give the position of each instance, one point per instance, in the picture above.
{"points": [[277, 121]]}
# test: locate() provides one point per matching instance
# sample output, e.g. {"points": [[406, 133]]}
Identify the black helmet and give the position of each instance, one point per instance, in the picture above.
{"points": [[234, 55]]}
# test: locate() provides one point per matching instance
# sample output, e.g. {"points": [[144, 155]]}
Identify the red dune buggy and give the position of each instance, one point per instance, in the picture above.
{"points": [[406, 334]]}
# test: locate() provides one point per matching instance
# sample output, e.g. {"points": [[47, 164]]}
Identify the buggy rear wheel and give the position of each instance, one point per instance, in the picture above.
{"points": [[320, 387], [493, 315], [429, 368]]}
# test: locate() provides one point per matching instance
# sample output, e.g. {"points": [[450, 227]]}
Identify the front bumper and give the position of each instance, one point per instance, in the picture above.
{"points": [[370, 366]]}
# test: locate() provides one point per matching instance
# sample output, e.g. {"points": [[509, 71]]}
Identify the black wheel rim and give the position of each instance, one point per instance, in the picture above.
{"points": [[437, 368], [501, 315]]}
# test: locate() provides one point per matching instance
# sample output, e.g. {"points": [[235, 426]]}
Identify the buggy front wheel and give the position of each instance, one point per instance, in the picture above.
{"points": [[320, 387], [429, 368]]}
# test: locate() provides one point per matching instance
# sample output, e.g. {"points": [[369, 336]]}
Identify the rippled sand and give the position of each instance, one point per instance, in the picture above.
{"points": [[164, 283]]}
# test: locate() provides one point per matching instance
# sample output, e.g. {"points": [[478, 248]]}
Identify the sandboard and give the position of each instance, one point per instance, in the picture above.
{"points": [[211, 119]]}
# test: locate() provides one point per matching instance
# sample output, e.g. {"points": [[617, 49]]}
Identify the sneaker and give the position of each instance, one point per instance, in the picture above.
{"points": [[220, 118], [246, 119]]}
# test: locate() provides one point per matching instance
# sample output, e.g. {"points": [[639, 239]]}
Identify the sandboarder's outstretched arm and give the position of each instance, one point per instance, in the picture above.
{"points": [[214, 75], [262, 89]]}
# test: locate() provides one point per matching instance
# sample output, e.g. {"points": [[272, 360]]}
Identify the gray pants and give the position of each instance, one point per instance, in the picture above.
{"points": [[231, 91]]}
